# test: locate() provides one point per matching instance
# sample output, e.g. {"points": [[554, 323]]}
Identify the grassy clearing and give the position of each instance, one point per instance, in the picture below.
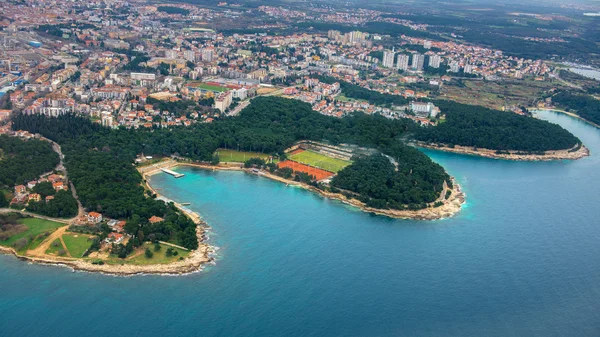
{"points": [[55, 247], [35, 227], [343, 98], [38, 240], [158, 257], [320, 161], [495, 94], [77, 244], [226, 155]]}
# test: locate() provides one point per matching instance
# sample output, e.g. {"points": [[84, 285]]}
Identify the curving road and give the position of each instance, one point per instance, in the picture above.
{"points": [[61, 167]]}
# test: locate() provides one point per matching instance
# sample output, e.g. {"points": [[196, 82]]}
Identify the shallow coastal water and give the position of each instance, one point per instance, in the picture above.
{"points": [[520, 259], [587, 72]]}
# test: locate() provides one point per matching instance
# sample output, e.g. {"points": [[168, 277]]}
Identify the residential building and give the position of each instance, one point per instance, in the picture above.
{"points": [[388, 58], [94, 217], [223, 101], [434, 61], [402, 62], [418, 61]]}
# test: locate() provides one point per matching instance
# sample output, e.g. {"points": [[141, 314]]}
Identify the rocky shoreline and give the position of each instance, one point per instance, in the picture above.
{"points": [[191, 264], [450, 206], [199, 257], [570, 154]]}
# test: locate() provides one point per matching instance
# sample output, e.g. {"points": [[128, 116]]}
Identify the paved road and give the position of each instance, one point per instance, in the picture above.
{"points": [[10, 210], [61, 167], [239, 108]]}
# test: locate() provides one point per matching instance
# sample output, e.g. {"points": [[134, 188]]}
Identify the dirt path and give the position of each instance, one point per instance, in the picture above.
{"points": [[172, 245], [61, 167], [62, 242], [41, 249]]}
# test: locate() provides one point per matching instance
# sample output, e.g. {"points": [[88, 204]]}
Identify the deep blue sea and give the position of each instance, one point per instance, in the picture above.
{"points": [[521, 259]]}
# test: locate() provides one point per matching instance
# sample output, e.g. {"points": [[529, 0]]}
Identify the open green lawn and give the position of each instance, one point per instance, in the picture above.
{"points": [[226, 155], [77, 244], [158, 257], [38, 240], [320, 161], [55, 246], [343, 98], [35, 227]]}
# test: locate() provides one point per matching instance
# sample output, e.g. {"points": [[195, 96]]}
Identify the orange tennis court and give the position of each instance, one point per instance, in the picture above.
{"points": [[313, 171]]}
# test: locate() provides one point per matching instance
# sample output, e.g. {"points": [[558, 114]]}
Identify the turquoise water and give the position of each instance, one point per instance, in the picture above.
{"points": [[521, 259]]}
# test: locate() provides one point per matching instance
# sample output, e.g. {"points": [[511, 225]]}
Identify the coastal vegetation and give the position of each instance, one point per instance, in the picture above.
{"points": [[24, 233], [380, 185], [99, 160], [585, 106], [476, 126]]}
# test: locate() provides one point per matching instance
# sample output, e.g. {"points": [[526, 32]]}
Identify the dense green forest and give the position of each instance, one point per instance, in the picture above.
{"points": [[24, 160], [99, 160], [173, 10], [476, 126], [62, 206], [584, 105], [379, 184]]}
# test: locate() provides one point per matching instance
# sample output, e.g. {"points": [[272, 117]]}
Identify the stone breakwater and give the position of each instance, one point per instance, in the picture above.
{"points": [[570, 154]]}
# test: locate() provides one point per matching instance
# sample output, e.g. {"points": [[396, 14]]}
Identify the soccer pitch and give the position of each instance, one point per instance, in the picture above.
{"points": [[239, 156], [318, 160]]}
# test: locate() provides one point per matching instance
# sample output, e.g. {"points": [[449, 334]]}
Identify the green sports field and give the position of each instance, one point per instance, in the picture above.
{"points": [[226, 155], [318, 160], [211, 87]]}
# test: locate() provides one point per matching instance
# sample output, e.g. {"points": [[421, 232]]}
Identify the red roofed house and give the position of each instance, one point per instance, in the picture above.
{"points": [[34, 197], [119, 226], [59, 186], [155, 219], [94, 217], [20, 189], [55, 177], [115, 237]]}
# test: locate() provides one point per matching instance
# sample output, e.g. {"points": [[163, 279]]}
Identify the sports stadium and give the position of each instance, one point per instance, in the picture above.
{"points": [[322, 161]]}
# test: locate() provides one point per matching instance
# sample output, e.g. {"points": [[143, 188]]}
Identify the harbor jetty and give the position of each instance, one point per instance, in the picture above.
{"points": [[173, 173]]}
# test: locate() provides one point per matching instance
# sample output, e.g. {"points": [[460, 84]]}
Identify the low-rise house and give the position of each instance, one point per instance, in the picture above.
{"points": [[20, 189], [94, 217], [119, 227], [155, 219], [34, 197], [59, 186], [115, 238], [31, 184], [54, 178]]}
